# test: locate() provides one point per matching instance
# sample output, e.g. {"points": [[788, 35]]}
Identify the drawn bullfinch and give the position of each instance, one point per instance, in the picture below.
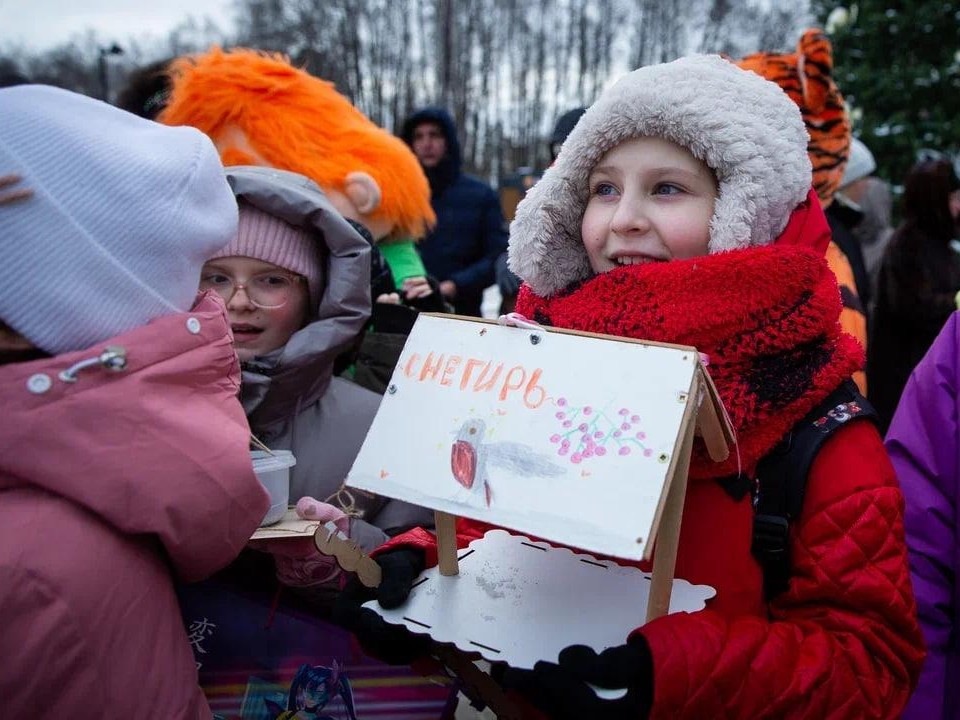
{"points": [[470, 454]]}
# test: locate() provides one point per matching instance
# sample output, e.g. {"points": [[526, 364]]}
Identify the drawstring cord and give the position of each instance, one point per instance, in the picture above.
{"points": [[113, 358]]}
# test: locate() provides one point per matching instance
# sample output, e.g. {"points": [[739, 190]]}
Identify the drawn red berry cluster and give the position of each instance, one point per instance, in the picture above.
{"points": [[587, 433]]}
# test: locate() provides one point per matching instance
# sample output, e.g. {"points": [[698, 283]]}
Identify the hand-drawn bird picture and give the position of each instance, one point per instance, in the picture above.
{"points": [[471, 453]]}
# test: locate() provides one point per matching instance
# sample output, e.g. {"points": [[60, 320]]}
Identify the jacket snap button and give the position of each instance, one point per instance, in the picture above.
{"points": [[39, 383], [193, 325]]}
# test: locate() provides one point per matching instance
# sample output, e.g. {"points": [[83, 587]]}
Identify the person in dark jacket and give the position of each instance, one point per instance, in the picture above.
{"points": [[918, 283], [470, 233]]}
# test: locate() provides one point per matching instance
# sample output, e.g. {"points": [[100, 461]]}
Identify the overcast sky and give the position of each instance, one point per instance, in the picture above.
{"points": [[38, 24]]}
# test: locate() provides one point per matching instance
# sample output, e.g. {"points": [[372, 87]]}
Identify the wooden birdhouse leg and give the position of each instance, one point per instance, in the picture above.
{"points": [[668, 534], [447, 543]]}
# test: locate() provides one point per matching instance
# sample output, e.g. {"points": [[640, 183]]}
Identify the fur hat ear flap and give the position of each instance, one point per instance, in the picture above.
{"points": [[815, 67]]}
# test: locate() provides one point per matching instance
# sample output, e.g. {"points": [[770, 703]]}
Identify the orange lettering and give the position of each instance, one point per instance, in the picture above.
{"points": [[532, 388], [431, 369], [408, 369], [452, 364], [468, 370], [482, 384], [507, 387]]}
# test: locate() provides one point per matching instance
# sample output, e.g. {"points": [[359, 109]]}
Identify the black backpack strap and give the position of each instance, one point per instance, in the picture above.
{"points": [[782, 480]]}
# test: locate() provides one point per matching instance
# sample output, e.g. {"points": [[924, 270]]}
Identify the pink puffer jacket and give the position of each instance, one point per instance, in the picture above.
{"points": [[110, 486]]}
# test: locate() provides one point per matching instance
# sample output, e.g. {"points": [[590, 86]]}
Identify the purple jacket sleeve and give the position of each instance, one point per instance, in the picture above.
{"points": [[923, 443]]}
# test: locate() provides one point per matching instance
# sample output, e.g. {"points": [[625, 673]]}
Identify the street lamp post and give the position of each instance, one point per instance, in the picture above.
{"points": [[102, 68]]}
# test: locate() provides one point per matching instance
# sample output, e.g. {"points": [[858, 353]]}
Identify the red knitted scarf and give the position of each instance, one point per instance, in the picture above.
{"points": [[767, 317]]}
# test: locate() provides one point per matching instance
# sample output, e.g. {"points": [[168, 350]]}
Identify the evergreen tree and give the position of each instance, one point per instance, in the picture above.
{"points": [[898, 65]]}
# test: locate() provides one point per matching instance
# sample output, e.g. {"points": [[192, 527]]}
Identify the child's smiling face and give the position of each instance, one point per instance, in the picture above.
{"points": [[650, 201], [258, 330]]}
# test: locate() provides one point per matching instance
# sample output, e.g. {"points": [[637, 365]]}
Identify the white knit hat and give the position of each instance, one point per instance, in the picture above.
{"points": [[745, 128], [859, 164], [122, 215]]}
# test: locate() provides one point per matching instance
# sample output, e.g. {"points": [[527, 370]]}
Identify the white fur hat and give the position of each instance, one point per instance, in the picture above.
{"points": [[743, 127], [121, 215]]}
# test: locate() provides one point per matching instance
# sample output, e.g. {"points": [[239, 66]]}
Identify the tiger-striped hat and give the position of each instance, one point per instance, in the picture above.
{"points": [[743, 127]]}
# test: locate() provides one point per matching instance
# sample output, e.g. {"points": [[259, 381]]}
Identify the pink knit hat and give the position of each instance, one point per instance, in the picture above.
{"points": [[265, 237]]}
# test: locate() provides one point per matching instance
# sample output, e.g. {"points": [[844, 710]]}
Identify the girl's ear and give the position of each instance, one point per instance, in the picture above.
{"points": [[363, 191]]}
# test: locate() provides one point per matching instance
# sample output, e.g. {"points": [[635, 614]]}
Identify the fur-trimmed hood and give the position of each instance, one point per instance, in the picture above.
{"points": [[743, 127]]}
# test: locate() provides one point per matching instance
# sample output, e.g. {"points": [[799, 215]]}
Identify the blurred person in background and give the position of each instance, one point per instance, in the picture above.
{"points": [[462, 249], [869, 197], [918, 281]]}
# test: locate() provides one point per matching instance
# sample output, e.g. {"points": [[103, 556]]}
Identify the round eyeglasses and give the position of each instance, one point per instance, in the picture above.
{"points": [[267, 290]]}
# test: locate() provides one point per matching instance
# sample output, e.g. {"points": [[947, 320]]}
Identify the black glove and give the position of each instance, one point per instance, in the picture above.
{"points": [[392, 644], [561, 689]]}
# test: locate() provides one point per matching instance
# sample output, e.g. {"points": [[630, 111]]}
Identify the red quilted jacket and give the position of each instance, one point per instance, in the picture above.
{"points": [[843, 640]]}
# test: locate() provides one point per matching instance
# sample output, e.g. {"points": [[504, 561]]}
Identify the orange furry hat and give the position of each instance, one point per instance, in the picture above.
{"points": [[294, 121]]}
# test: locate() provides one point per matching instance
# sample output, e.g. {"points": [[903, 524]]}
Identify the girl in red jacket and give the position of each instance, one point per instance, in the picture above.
{"points": [[680, 210]]}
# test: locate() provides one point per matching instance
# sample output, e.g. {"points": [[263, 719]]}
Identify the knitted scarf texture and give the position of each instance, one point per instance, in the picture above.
{"points": [[768, 318]]}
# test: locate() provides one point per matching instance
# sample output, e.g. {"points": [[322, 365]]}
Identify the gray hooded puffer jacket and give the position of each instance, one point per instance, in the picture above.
{"points": [[291, 398]]}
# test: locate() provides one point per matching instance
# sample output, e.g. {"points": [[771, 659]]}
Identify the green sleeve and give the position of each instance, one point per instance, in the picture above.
{"points": [[403, 259]]}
